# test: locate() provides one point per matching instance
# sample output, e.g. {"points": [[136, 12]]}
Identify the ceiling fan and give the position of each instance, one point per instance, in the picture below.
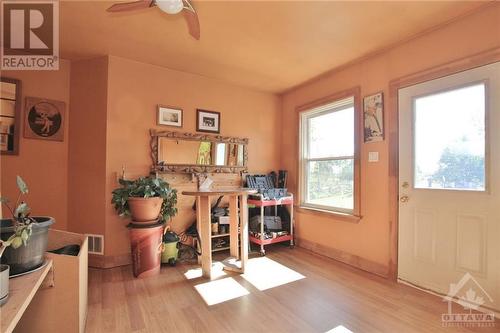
{"points": [[169, 7]]}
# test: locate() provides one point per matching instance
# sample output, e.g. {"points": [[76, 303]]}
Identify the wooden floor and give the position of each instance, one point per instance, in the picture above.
{"points": [[330, 295]]}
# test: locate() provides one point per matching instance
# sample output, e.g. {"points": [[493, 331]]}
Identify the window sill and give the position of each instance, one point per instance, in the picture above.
{"points": [[326, 213]]}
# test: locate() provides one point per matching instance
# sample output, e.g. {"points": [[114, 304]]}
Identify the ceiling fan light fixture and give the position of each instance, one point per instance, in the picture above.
{"points": [[170, 6]]}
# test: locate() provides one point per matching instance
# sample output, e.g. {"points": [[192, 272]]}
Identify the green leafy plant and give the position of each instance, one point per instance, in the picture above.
{"points": [[145, 187], [20, 218]]}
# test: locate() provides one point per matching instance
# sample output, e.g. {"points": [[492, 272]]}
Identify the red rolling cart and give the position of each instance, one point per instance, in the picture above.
{"points": [[261, 203]]}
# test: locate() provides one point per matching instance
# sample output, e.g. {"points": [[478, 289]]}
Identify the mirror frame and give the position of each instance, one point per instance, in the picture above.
{"points": [[17, 113], [195, 168]]}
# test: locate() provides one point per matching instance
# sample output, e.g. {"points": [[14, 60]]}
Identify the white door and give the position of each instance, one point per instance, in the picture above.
{"points": [[449, 181]]}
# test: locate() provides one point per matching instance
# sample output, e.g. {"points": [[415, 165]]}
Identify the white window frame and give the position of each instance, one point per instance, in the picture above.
{"points": [[333, 104]]}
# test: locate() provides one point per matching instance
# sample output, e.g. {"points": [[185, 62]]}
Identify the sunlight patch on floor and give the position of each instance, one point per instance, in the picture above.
{"points": [[264, 273], [339, 329], [218, 291], [217, 272]]}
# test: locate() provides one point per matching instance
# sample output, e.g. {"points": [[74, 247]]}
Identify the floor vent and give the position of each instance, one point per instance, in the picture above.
{"points": [[96, 244]]}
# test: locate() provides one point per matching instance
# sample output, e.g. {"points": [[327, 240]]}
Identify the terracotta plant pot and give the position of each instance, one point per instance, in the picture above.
{"points": [[145, 209]]}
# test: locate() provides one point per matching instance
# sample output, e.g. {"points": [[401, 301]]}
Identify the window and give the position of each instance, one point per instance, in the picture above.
{"points": [[450, 139], [328, 157]]}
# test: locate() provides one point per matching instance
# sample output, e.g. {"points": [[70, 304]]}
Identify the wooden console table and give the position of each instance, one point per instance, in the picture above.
{"points": [[22, 289], [203, 221]]}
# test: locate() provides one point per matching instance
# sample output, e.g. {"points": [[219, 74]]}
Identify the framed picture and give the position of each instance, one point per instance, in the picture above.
{"points": [[373, 117], [44, 119], [207, 121], [169, 116]]}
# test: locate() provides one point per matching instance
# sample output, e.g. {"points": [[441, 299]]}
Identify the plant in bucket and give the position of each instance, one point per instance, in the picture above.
{"points": [[23, 239], [150, 202]]}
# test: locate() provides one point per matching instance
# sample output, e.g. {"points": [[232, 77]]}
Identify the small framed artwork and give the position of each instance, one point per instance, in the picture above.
{"points": [[169, 116], [373, 117], [44, 119], [207, 121]]}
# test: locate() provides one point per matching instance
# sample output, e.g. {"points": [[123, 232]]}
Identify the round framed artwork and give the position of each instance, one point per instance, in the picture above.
{"points": [[44, 119]]}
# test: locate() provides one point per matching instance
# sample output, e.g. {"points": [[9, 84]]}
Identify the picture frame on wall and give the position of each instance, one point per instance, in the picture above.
{"points": [[207, 121], [169, 116], [373, 117], [44, 119]]}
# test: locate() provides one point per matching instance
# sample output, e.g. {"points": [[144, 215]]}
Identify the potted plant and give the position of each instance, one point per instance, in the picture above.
{"points": [[151, 202], [23, 238], [145, 199]]}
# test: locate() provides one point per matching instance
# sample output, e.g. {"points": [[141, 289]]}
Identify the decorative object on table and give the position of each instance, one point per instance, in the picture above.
{"points": [[170, 249], [206, 184], [151, 203], [373, 117], [265, 186], [145, 199], [10, 115], [207, 121], [23, 238], [169, 116], [44, 119]]}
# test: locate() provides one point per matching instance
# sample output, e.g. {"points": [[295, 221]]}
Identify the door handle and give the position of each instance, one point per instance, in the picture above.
{"points": [[404, 199]]}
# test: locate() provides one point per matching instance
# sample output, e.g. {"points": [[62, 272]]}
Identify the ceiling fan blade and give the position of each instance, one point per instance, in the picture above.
{"points": [[192, 20], [128, 6]]}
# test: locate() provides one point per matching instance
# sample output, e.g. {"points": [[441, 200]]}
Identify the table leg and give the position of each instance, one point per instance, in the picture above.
{"points": [[198, 227], [205, 235], [233, 226], [244, 231]]}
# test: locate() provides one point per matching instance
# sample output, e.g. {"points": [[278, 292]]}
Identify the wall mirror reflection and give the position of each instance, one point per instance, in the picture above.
{"points": [[10, 114], [186, 152]]}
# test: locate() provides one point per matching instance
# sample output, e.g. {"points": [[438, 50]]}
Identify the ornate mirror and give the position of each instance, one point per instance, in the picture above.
{"points": [[10, 115], [197, 153]]}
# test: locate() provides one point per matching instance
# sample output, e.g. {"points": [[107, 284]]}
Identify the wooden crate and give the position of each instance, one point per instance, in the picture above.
{"points": [[61, 307]]}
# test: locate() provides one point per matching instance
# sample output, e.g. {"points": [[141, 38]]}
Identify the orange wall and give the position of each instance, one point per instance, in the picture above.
{"points": [[369, 239], [42, 164], [134, 91], [87, 150]]}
